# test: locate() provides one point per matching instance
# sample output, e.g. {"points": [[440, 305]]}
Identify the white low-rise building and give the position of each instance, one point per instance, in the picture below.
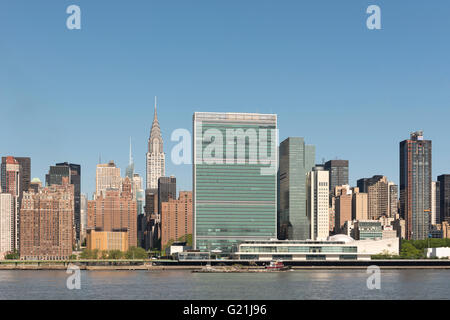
{"points": [[335, 248], [440, 253]]}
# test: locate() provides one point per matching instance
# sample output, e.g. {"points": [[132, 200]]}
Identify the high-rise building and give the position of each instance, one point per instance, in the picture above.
{"points": [[155, 158], [360, 208], [444, 197], [6, 224], [435, 217], [46, 223], [338, 170], [107, 177], [378, 197], [393, 200], [296, 160], [73, 172], [343, 207], [151, 223], [362, 184], [176, 218], [114, 209], [167, 189], [11, 183], [35, 185], [83, 217], [318, 203], [415, 185], [234, 179]]}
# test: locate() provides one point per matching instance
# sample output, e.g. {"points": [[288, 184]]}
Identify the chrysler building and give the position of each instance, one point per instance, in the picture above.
{"points": [[155, 156]]}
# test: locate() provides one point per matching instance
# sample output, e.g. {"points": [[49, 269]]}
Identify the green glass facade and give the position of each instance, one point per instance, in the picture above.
{"points": [[235, 196], [296, 160]]}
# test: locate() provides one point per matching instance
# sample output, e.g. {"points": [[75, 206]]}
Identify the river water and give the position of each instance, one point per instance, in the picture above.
{"points": [[179, 285]]}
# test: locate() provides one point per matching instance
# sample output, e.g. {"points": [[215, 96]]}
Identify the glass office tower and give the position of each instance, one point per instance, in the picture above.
{"points": [[296, 160], [235, 179]]}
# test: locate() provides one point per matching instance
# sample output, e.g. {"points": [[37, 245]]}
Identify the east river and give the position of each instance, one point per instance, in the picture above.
{"points": [[179, 285]]}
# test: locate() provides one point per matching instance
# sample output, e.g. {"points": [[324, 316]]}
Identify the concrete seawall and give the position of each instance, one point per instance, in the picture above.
{"points": [[196, 265]]}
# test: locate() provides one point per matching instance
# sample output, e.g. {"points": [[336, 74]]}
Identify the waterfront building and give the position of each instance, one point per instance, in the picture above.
{"points": [[6, 224], [415, 185], [444, 197], [338, 170], [11, 182], [336, 248], [73, 172], [318, 203], [115, 209], [435, 217], [47, 223], [234, 182], [176, 219], [296, 160], [107, 240], [360, 208], [155, 157], [107, 177]]}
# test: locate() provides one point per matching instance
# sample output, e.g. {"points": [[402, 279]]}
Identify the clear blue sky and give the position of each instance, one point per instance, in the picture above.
{"points": [[354, 93]]}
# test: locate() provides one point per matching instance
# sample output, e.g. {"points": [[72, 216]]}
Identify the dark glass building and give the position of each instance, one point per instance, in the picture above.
{"points": [[167, 188], [73, 171], [444, 190], [338, 173], [415, 185]]}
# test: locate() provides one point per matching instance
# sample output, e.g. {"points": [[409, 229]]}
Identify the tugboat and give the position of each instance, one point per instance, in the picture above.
{"points": [[276, 266]]}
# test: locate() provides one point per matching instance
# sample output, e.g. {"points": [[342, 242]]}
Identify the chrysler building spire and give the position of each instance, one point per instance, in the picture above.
{"points": [[155, 156]]}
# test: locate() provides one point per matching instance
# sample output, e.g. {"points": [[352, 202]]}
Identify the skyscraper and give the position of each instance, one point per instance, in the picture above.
{"points": [[73, 172], [155, 160], [338, 173], [360, 208], [393, 200], [176, 218], [167, 189], [107, 177], [46, 223], [6, 224], [415, 185], [378, 197], [114, 209], [318, 203], [11, 183], [234, 179], [435, 217], [343, 208], [444, 197], [296, 160]]}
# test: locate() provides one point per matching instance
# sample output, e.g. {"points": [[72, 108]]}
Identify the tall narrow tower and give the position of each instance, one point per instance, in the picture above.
{"points": [[155, 161]]}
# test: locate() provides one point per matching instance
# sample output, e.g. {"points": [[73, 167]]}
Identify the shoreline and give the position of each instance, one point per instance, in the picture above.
{"points": [[193, 268]]}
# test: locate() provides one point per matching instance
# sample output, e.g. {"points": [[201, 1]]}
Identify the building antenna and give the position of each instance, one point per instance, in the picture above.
{"points": [[131, 157]]}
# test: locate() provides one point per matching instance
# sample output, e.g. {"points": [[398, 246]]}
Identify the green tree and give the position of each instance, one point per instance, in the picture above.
{"points": [[12, 255], [136, 253], [115, 254]]}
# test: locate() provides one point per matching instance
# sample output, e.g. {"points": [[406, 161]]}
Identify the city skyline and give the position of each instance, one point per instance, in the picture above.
{"points": [[254, 57]]}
